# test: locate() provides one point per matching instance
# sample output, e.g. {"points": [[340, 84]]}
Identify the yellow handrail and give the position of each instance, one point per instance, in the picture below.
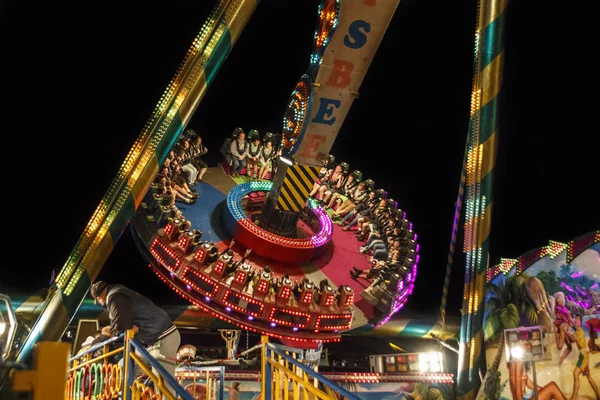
{"points": [[281, 368], [97, 379]]}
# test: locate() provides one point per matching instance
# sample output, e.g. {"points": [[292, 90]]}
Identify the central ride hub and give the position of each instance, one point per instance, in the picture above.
{"points": [[269, 244]]}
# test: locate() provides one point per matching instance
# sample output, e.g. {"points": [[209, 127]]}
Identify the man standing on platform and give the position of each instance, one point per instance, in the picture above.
{"points": [[128, 309]]}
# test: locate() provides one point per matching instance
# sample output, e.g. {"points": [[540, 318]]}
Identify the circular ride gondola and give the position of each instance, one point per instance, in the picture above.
{"points": [[296, 288]]}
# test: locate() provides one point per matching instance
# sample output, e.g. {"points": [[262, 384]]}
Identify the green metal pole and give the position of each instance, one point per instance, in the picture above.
{"points": [[174, 110], [481, 154]]}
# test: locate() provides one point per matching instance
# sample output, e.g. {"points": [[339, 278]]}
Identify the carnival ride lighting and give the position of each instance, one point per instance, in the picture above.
{"points": [[287, 160], [516, 352], [199, 256], [234, 201], [167, 257], [219, 267], [346, 298], [430, 362]]}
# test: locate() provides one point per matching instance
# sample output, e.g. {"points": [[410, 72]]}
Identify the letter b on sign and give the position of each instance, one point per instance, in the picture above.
{"points": [[340, 75]]}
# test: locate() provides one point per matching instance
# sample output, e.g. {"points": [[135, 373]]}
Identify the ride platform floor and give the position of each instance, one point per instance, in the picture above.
{"points": [[334, 265]]}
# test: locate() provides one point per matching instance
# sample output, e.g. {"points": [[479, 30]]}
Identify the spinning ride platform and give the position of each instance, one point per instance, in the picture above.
{"points": [[226, 210]]}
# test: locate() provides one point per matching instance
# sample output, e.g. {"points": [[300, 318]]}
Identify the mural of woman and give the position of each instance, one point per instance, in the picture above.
{"points": [[521, 384], [234, 391], [562, 323]]}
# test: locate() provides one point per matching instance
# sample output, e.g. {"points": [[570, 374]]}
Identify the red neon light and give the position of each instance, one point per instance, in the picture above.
{"points": [[334, 316], [159, 244], [349, 300], [246, 298], [240, 277], [199, 256], [262, 286], [219, 267], [205, 278], [306, 297], [285, 292], [183, 241], [329, 299], [236, 322], [287, 323]]}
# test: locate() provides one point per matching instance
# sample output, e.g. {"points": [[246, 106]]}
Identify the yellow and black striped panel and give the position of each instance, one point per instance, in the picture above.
{"points": [[297, 184]]}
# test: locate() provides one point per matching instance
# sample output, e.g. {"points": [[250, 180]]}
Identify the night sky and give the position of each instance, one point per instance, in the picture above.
{"points": [[79, 80]]}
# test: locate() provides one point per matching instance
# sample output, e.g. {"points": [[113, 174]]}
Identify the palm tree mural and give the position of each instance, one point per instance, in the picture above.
{"points": [[506, 302], [431, 391]]}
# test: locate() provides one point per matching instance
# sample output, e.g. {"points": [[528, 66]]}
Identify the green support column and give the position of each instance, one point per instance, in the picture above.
{"points": [[174, 110], [481, 154]]}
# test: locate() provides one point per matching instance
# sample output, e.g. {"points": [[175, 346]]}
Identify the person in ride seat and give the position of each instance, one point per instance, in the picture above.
{"points": [[198, 150], [267, 154], [253, 158], [362, 209], [336, 198], [239, 152], [128, 309], [351, 199]]}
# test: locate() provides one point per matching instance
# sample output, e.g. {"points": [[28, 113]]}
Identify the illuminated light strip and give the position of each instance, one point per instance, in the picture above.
{"points": [[483, 125], [234, 201], [553, 249], [244, 297], [328, 12], [334, 316], [223, 317], [289, 312], [159, 244], [296, 113], [200, 275], [360, 377], [199, 256]]}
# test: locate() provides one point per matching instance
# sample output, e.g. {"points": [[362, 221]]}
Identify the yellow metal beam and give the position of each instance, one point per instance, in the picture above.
{"points": [[48, 380]]}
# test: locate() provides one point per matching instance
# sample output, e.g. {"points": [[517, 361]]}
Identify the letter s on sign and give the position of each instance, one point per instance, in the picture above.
{"points": [[356, 38]]}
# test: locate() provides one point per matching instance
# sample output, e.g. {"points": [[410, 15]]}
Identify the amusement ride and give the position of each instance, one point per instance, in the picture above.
{"points": [[264, 255]]}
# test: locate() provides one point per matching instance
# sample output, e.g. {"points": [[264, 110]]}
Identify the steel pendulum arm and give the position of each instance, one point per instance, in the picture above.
{"points": [[481, 156], [174, 110]]}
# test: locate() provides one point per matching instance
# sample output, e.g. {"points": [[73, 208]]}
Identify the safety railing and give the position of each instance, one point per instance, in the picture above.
{"points": [[208, 382], [94, 376], [285, 376]]}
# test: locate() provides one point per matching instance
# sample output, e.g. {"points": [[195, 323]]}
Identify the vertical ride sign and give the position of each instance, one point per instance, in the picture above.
{"points": [[347, 58]]}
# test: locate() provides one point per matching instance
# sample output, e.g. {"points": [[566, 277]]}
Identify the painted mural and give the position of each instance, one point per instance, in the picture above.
{"points": [[250, 390], [562, 297]]}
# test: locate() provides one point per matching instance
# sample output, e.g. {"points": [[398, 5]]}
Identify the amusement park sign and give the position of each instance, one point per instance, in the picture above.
{"points": [[347, 58]]}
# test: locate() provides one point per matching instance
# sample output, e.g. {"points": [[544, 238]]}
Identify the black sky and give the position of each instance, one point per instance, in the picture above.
{"points": [[80, 79]]}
